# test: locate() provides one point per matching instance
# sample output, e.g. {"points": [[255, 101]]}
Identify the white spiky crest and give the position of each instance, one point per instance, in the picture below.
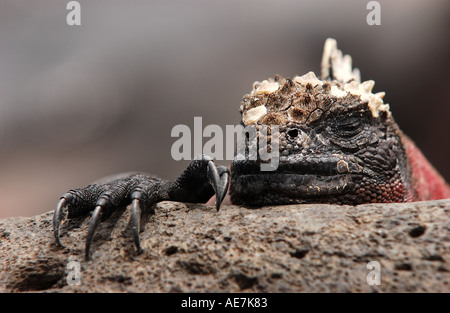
{"points": [[253, 115], [309, 78], [336, 70], [341, 66], [264, 87]]}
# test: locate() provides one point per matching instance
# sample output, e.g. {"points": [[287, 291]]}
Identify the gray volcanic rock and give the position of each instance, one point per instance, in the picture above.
{"points": [[193, 248]]}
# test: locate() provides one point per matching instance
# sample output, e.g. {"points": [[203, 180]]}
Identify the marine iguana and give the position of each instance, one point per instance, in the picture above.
{"points": [[338, 143]]}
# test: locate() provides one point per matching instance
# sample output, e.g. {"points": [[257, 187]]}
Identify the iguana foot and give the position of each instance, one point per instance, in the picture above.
{"points": [[201, 180]]}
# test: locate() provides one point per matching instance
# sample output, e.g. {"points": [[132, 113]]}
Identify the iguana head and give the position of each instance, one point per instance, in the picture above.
{"points": [[338, 140]]}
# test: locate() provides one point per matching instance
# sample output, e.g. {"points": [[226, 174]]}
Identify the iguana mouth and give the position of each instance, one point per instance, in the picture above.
{"points": [[308, 166], [298, 182], [310, 179], [285, 188]]}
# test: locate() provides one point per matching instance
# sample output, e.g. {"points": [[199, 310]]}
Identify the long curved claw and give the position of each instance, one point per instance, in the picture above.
{"points": [[57, 217], [219, 183], [214, 180], [93, 223], [135, 223], [224, 181]]}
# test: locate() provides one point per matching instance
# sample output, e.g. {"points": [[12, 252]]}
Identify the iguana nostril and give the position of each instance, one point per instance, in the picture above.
{"points": [[342, 167], [293, 133]]}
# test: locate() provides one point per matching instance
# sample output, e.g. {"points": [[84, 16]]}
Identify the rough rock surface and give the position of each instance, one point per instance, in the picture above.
{"points": [[193, 248]]}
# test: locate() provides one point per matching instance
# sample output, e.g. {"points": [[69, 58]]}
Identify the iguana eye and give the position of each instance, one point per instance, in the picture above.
{"points": [[351, 124], [348, 126]]}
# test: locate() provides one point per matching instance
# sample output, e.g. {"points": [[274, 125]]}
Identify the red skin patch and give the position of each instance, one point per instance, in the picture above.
{"points": [[426, 183]]}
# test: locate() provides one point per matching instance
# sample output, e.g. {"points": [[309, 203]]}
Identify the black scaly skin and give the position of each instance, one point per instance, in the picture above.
{"points": [[198, 183], [334, 146], [351, 158]]}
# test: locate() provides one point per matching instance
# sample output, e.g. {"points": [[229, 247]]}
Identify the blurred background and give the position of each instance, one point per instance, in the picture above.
{"points": [[81, 102]]}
